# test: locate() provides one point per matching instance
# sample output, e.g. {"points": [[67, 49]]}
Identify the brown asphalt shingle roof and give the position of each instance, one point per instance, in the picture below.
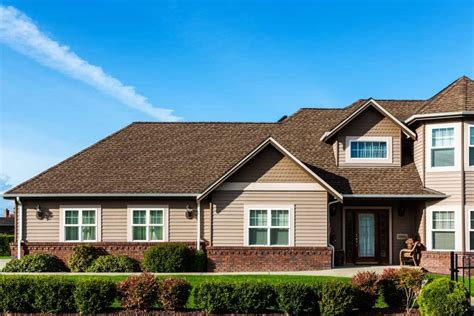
{"points": [[188, 157]]}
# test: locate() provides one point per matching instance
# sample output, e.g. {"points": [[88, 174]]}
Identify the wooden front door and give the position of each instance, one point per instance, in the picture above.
{"points": [[367, 236]]}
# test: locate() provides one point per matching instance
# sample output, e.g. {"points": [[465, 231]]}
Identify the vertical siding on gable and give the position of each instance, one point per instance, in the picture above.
{"points": [[270, 166], [310, 215], [419, 151], [371, 123]]}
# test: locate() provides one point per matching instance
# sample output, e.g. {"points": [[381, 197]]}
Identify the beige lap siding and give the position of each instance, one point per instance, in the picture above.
{"points": [[310, 215], [114, 220]]}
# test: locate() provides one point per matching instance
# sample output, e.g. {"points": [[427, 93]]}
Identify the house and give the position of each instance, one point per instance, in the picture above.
{"points": [[321, 187], [7, 223]]}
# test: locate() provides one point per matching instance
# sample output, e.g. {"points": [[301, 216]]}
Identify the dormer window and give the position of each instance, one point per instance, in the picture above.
{"points": [[369, 149]]}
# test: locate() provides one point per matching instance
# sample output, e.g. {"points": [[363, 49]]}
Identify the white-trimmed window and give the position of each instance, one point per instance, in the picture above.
{"points": [[443, 230], [471, 146], [148, 223], [80, 224], [442, 147], [269, 226], [369, 149], [471, 230]]}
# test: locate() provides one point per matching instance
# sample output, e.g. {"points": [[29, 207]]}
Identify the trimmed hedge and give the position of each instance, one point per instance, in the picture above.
{"points": [[214, 296], [295, 298], [337, 298], [173, 293], [138, 292], [39, 262], [443, 297], [16, 294], [114, 263], [168, 257], [5, 241], [94, 295]]}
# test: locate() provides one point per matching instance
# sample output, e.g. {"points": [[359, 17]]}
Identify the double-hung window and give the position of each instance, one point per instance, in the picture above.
{"points": [[80, 224], [471, 145], [147, 224], [443, 233], [442, 147], [269, 226]]}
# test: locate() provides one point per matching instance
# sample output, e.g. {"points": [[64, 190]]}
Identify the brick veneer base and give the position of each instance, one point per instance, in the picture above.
{"points": [[64, 250], [220, 259], [439, 261], [251, 259]]}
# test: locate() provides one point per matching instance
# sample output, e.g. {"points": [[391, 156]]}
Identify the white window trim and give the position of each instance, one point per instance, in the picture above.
{"points": [[457, 146], [269, 207], [457, 226], [80, 208], [469, 229], [351, 139], [469, 125], [147, 208]]}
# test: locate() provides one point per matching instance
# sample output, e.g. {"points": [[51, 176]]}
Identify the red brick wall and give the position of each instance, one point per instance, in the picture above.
{"points": [[440, 262], [220, 259], [64, 250], [250, 259]]}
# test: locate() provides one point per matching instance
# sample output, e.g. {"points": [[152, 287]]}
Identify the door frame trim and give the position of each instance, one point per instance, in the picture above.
{"points": [[390, 224]]}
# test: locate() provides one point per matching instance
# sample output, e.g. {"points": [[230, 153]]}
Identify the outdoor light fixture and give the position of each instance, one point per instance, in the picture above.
{"points": [[189, 212], [401, 211], [39, 212]]}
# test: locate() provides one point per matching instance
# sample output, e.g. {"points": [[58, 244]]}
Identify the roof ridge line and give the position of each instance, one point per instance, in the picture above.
{"points": [[200, 122]]}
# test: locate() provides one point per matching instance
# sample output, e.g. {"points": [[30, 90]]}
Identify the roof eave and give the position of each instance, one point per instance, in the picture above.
{"points": [[437, 116], [396, 196], [85, 195]]}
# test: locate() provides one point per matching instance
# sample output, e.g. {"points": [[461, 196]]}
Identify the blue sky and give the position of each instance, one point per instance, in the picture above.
{"points": [[209, 61]]}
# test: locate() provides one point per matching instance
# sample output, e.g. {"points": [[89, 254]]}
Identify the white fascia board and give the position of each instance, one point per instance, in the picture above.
{"points": [[52, 195], [407, 131], [285, 152], [418, 117]]}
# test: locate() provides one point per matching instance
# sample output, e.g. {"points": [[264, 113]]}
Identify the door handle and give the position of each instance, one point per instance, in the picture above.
{"points": [[357, 239]]}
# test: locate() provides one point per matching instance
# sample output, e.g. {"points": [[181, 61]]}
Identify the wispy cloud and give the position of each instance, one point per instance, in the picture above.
{"points": [[20, 33]]}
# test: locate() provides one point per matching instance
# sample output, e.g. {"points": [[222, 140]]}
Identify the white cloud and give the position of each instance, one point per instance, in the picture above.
{"points": [[20, 33]]}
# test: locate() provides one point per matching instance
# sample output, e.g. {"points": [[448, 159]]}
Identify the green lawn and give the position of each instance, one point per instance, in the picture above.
{"points": [[5, 257]]}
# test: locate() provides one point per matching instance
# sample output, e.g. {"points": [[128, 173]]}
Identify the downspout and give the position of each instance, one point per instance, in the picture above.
{"points": [[19, 226], [333, 249], [198, 237]]}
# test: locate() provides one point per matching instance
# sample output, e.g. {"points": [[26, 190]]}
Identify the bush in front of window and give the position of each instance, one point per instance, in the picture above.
{"points": [[114, 263], [5, 241], [167, 257], [53, 295], [295, 298], [443, 297], [367, 289], [173, 293], [337, 298], [39, 262], [16, 294], [138, 292], [83, 256], [94, 295]]}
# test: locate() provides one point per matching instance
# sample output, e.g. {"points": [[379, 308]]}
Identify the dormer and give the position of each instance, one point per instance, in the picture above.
{"points": [[369, 137]]}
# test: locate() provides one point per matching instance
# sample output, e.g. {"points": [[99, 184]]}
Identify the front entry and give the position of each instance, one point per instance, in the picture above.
{"points": [[366, 236]]}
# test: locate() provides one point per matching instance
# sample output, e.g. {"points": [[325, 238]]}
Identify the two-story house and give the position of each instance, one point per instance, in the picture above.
{"points": [[321, 187]]}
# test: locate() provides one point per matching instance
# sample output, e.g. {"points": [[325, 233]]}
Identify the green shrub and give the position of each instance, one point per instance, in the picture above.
{"points": [[16, 294], [83, 256], [337, 298], [167, 257], [52, 294], [213, 296], [5, 241], [443, 297], [295, 298], [198, 261], [138, 292], [393, 295], [114, 263], [94, 295], [173, 293], [252, 297], [39, 262], [367, 289]]}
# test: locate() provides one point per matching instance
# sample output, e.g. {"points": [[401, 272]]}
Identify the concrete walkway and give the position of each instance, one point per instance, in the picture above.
{"points": [[347, 272], [3, 262]]}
